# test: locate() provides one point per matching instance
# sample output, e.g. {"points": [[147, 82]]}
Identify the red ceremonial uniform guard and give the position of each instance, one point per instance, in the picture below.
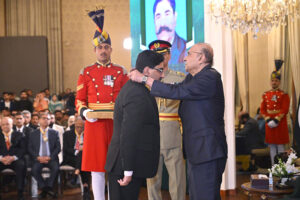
{"points": [[97, 89], [274, 107]]}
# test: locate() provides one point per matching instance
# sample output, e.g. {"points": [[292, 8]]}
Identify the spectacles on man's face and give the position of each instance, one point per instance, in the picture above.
{"points": [[160, 70], [189, 52]]}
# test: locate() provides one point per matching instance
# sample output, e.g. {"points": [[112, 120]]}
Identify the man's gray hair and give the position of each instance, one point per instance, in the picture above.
{"points": [[78, 118], [24, 112]]}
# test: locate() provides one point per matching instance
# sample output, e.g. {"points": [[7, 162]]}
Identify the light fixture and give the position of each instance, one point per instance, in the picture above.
{"points": [[127, 43], [253, 15]]}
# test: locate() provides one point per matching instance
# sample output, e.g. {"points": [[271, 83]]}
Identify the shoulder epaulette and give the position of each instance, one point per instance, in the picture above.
{"points": [[82, 70], [123, 68]]}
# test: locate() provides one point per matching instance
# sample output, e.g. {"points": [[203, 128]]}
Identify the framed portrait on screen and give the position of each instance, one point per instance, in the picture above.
{"points": [[179, 22]]}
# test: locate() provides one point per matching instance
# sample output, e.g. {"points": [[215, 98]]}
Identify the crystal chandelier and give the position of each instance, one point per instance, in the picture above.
{"points": [[253, 15]]}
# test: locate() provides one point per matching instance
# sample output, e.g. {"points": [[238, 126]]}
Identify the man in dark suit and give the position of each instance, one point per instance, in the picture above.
{"points": [[6, 102], [20, 127], [24, 103], [202, 112], [25, 131], [249, 137], [72, 154], [43, 147], [133, 153], [12, 149]]}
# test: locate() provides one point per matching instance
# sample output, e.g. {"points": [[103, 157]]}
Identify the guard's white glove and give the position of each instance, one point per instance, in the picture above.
{"points": [[85, 115], [272, 124]]}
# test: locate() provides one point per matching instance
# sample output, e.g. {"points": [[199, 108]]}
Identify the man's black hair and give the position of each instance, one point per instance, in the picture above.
{"points": [[148, 58], [245, 116], [58, 111]]}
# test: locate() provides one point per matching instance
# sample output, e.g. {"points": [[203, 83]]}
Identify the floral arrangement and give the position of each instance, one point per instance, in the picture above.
{"points": [[285, 169]]}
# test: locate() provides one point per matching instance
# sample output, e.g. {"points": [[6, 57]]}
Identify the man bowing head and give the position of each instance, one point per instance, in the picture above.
{"points": [[133, 153]]}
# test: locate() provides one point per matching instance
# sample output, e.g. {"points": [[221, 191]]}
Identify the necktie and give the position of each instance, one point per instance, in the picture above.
{"points": [[7, 144], [77, 144], [44, 148], [44, 143], [6, 135]]}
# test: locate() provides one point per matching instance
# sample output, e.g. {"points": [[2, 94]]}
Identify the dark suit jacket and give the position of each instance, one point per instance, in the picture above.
{"points": [[68, 147], [13, 105], [250, 138], [26, 131], [17, 145], [34, 144], [202, 113], [24, 105], [135, 142]]}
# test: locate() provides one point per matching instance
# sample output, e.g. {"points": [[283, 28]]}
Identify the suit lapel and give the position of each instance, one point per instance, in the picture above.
{"points": [[3, 143], [50, 139], [38, 141]]}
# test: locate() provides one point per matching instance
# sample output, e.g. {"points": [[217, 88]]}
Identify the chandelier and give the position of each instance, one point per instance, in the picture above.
{"points": [[253, 15]]}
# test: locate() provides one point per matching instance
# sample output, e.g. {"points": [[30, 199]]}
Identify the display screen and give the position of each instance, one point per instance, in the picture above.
{"points": [[179, 22]]}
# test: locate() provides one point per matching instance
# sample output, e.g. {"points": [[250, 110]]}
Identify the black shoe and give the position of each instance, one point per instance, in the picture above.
{"points": [[43, 194]]}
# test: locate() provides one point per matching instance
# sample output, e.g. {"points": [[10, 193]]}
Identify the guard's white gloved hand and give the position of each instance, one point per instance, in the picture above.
{"points": [[272, 124], [85, 115]]}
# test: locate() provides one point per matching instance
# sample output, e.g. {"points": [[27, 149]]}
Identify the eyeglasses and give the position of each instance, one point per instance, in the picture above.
{"points": [[45, 118], [189, 52], [160, 70]]}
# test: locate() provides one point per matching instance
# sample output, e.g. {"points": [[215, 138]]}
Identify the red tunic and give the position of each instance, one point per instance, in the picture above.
{"points": [[98, 87], [275, 104]]}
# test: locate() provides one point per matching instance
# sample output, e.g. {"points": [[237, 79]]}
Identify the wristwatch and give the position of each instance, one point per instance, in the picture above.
{"points": [[144, 79]]}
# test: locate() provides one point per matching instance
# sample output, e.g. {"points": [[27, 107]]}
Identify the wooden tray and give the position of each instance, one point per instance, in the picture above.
{"points": [[101, 114]]}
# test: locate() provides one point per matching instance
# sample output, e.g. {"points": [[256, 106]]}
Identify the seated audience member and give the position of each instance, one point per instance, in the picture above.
{"points": [[65, 119], [7, 102], [72, 151], [261, 122], [60, 131], [47, 94], [12, 149], [6, 112], [70, 104], [40, 102], [13, 97], [20, 127], [30, 95], [65, 95], [24, 103], [71, 122], [27, 117], [43, 147], [55, 104], [34, 123], [249, 137], [59, 117]]}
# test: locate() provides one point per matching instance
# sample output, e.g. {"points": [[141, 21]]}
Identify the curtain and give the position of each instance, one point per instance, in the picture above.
{"points": [[294, 46], [39, 18], [241, 60]]}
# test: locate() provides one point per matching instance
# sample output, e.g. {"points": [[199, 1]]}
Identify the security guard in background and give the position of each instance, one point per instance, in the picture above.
{"points": [[274, 108], [97, 89], [170, 135]]}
